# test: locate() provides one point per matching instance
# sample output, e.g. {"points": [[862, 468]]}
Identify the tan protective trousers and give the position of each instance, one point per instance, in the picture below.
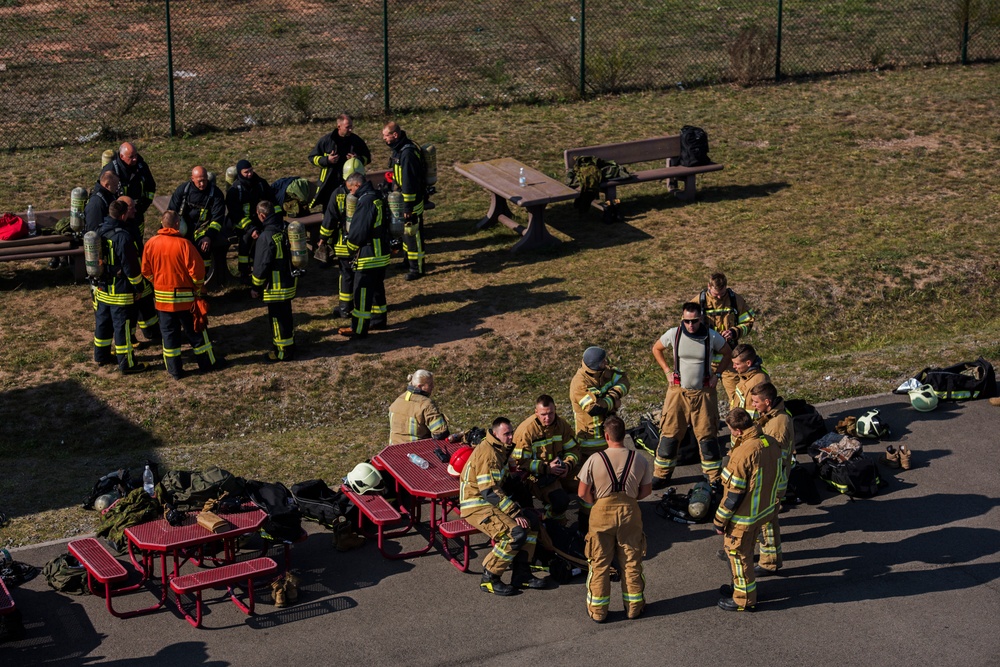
{"points": [[499, 526], [730, 379], [700, 407], [738, 543], [615, 532]]}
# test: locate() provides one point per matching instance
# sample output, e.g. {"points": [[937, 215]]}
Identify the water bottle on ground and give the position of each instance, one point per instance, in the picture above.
{"points": [[418, 461], [32, 229], [522, 180], [148, 482]]}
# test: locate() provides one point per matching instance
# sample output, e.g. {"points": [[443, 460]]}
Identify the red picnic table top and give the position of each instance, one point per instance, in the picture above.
{"points": [[160, 536], [434, 482]]}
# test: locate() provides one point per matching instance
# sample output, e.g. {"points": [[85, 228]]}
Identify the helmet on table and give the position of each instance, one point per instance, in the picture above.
{"points": [[365, 479], [458, 460]]}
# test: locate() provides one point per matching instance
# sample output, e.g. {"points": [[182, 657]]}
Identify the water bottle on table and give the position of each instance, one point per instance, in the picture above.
{"points": [[522, 180], [418, 461], [32, 228]]}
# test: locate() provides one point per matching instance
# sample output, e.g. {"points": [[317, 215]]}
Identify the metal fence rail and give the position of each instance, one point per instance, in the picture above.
{"points": [[83, 70]]}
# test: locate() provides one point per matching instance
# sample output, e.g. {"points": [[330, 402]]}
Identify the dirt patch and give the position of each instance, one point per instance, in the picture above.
{"points": [[911, 142]]}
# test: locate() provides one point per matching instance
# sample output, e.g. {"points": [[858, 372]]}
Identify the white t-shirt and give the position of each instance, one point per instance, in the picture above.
{"points": [[692, 355]]}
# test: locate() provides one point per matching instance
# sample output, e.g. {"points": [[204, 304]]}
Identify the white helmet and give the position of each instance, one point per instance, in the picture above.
{"points": [[923, 398], [365, 479], [870, 425], [352, 165]]}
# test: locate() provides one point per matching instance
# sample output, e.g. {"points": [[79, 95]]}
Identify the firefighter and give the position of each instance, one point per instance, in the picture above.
{"points": [[613, 481], [273, 280], [115, 293], [546, 451], [368, 242], [333, 230], [776, 422], [595, 392], [408, 176], [750, 481], [100, 199], [248, 190], [690, 398], [484, 504], [135, 180], [726, 312], [749, 368], [174, 266], [145, 314], [201, 212], [331, 152], [413, 415]]}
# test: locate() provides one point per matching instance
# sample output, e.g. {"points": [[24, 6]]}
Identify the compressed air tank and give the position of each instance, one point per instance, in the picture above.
{"points": [[700, 501], [297, 241], [430, 163], [396, 211], [350, 206], [77, 203], [92, 254]]}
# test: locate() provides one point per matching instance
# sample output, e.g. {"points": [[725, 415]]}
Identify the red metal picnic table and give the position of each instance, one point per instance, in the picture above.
{"points": [[432, 484]]}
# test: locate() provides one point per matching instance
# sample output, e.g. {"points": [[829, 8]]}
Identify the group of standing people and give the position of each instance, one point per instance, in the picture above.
{"points": [[521, 476]]}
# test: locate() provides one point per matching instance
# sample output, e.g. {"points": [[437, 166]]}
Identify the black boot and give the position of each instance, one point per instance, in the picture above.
{"points": [[522, 577], [491, 583]]}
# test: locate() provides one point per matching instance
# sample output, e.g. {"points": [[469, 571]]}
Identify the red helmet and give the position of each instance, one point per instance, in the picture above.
{"points": [[458, 459], [388, 177]]}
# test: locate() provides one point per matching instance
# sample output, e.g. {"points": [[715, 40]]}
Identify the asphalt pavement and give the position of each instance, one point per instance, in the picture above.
{"points": [[909, 577]]}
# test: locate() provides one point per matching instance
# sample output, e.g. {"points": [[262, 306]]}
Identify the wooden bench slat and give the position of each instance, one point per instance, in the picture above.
{"points": [[99, 563], [629, 152], [223, 575]]}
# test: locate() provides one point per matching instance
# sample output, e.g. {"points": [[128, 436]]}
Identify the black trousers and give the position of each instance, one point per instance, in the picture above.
{"points": [[114, 324], [413, 246], [279, 314], [369, 300], [176, 327], [346, 291], [148, 316]]}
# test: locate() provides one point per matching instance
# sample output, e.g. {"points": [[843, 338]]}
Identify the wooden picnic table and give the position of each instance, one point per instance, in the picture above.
{"points": [[500, 178]]}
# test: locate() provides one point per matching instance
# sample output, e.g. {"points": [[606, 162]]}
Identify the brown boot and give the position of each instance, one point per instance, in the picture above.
{"points": [[891, 457], [291, 587], [278, 592], [344, 537], [904, 457], [635, 609], [597, 614]]}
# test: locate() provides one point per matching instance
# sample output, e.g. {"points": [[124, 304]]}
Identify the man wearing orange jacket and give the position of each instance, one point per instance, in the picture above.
{"points": [[177, 271]]}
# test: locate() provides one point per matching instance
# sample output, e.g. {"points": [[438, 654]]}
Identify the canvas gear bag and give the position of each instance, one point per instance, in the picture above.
{"points": [[189, 490], [588, 173], [284, 521], [116, 480], [135, 508], [808, 423], [857, 477], [65, 574], [962, 382], [318, 502], [694, 147], [647, 436]]}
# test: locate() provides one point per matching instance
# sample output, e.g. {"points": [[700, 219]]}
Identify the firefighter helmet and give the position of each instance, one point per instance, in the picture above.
{"points": [[351, 165], [365, 479], [870, 425], [105, 501], [923, 398], [458, 460]]}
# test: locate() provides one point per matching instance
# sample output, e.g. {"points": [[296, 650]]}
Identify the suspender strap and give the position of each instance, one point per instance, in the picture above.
{"points": [[618, 481]]}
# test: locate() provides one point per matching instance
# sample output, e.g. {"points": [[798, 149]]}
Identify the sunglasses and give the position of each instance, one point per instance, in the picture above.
{"points": [[691, 321]]}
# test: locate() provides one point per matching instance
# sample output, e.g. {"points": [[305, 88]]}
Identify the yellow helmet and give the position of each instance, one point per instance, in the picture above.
{"points": [[353, 165]]}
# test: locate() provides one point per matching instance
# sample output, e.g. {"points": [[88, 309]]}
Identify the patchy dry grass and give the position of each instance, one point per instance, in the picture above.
{"points": [[858, 215]]}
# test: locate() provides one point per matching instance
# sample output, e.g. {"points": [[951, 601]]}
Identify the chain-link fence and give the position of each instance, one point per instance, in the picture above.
{"points": [[82, 70]]}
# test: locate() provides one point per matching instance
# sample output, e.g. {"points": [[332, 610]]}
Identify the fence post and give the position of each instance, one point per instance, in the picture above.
{"points": [[965, 39], [385, 55], [170, 75], [777, 47], [583, 47]]}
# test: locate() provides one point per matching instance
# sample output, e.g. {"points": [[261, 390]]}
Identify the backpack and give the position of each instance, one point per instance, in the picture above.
{"points": [[647, 436], [284, 521], [961, 382], [858, 477], [65, 574], [188, 490], [135, 508], [119, 481], [694, 147], [808, 423], [318, 502], [802, 485]]}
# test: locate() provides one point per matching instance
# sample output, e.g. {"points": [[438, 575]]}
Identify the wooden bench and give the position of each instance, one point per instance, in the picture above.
{"points": [[243, 572], [666, 148], [457, 529], [105, 569], [46, 246]]}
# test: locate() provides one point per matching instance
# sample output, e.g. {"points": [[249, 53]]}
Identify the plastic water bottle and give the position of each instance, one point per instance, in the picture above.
{"points": [[148, 482], [31, 220], [522, 180], [418, 461]]}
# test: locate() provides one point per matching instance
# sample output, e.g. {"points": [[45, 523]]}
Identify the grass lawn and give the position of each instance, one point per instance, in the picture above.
{"points": [[857, 214]]}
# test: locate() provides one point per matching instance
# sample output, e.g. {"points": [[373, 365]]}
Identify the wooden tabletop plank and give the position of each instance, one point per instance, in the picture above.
{"points": [[502, 175]]}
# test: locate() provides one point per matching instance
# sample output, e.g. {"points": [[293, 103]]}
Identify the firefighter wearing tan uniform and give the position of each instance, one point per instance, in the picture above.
{"points": [[690, 395], [595, 392], [749, 368], [545, 449], [413, 415], [776, 423], [750, 498], [484, 504], [614, 480], [728, 313]]}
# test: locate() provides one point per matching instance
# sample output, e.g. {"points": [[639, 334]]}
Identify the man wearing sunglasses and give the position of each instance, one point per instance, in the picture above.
{"points": [[690, 399]]}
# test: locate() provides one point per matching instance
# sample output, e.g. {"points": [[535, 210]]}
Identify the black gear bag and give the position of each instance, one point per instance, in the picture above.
{"points": [[694, 147], [318, 502], [961, 382]]}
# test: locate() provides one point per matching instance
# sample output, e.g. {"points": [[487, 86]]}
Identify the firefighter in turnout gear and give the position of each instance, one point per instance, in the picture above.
{"points": [[135, 181], [726, 312], [749, 368], [201, 212], [613, 481], [777, 424], [175, 268], [408, 174], [100, 199], [413, 415], [248, 190], [750, 498], [148, 318], [484, 504], [333, 230], [331, 152], [545, 449], [273, 279], [368, 242], [116, 290], [595, 392], [690, 397]]}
